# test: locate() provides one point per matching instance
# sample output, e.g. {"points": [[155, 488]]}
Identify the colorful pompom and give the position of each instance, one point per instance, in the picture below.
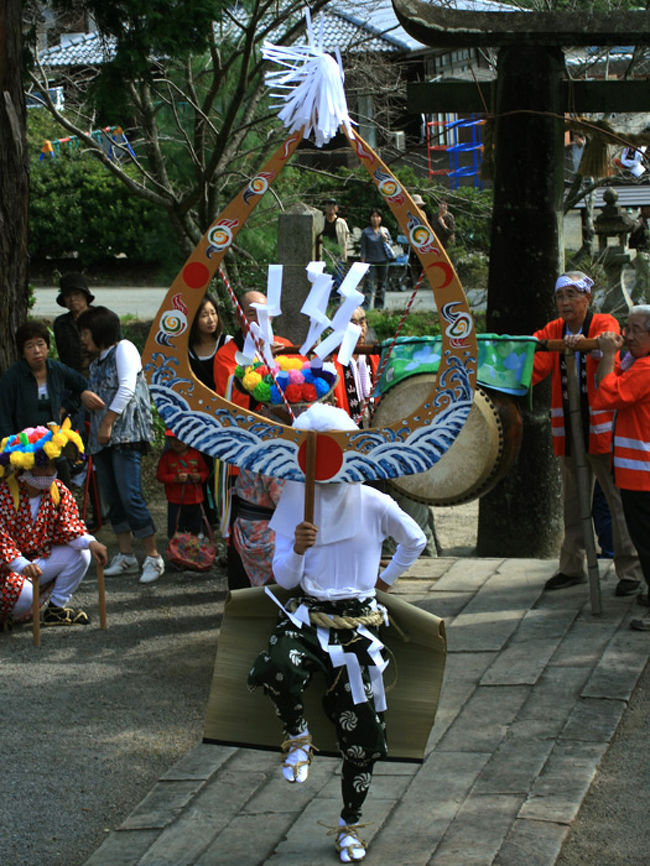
{"points": [[321, 386], [293, 393], [262, 392]]}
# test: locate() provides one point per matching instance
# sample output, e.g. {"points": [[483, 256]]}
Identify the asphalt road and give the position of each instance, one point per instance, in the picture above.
{"points": [[144, 302]]}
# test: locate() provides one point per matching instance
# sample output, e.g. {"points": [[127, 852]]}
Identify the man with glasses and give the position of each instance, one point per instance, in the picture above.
{"points": [[576, 323]]}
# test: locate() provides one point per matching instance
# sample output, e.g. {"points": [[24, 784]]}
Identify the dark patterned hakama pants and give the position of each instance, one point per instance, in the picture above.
{"points": [[285, 669]]}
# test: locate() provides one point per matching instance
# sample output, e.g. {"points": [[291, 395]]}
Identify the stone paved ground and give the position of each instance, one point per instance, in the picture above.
{"points": [[534, 691]]}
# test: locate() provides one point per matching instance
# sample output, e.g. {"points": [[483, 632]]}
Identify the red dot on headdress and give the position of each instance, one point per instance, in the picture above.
{"points": [[329, 457]]}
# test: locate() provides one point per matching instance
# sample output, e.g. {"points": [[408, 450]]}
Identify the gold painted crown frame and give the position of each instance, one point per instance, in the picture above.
{"points": [[214, 425]]}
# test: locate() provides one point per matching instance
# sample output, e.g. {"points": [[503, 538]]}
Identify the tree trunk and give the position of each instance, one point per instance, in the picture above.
{"points": [[521, 516], [14, 182]]}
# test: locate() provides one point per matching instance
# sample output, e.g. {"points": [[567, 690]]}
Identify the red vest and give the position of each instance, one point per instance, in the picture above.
{"points": [[629, 394], [600, 421]]}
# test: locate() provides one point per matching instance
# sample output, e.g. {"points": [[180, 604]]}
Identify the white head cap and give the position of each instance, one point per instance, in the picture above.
{"points": [[577, 279], [320, 417]]}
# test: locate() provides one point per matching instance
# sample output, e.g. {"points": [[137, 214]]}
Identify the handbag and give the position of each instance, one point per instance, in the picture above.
{"points": [[192, 552], [388, 250]]}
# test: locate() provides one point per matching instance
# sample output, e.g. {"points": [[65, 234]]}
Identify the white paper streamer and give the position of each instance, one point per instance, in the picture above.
{"points": [[310, 86], [315, 305]]}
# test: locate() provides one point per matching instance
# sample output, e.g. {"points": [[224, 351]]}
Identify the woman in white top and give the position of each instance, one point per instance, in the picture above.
{"points": [[119, 434]]}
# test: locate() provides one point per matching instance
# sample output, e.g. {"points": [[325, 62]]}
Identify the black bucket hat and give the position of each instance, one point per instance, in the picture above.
{"points": [[73, 282]]}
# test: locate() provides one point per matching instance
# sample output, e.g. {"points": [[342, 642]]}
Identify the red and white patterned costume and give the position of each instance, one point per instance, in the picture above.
{"points": [[25, 539]]}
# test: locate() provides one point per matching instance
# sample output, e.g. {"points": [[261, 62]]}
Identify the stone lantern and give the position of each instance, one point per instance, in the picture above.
{"points": [[613, 222]]}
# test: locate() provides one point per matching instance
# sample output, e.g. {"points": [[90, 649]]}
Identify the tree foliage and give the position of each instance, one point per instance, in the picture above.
{"points": [[194, 106]]}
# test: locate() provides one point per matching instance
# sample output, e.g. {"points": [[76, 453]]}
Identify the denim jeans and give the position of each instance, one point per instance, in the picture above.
{"points": [[374, 286], [118, 471]]}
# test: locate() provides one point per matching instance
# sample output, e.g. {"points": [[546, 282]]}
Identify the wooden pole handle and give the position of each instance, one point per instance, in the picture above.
{"points": [[101, 591], [561, 346], [310, 475], [36, 611]]}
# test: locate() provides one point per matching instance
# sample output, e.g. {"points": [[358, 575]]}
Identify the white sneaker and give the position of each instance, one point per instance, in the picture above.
{"points": [[122, 563], [152, 568]]}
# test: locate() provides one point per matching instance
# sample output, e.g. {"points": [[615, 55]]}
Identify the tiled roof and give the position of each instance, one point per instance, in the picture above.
{"points": [[86, 49], [364, 25]]}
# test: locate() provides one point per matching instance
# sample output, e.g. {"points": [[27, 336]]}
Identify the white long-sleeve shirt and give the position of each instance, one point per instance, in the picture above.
{"points": [[349, 568], [128, 364]]}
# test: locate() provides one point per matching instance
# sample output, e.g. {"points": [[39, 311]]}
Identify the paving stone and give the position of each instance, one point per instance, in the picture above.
{"points": [[431, 568], [122, 848], [559, 790], [383, 787], [462, 674], [246, 841], [307, 842], [530, 648], [478, 831], [516, 764], [408, 586], [427, 569], [494, 613], [593, 720], [427, 808], [277, 795], [585, 642], [467, 575], [396, 768], [200, 762], [619, 668], [483, 721], [162, 805], [446, 605], [533, 843], [183, 841], [554, 696]]}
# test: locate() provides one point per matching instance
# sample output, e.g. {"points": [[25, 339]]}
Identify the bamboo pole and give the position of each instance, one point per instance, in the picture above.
{"points": [[310, 475], [583, 474], [36, 611], [101, 591]]}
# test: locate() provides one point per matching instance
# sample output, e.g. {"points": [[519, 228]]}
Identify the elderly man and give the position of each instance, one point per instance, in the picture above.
{"points": [[575, 324], [624, 386], [224, 359]]}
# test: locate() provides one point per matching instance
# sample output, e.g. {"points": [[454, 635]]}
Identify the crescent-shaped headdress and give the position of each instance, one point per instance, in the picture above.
{"points": [[311, 87]]}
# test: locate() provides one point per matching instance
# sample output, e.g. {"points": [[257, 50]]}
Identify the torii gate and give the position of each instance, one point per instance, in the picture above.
{"points": [[529, 101]]}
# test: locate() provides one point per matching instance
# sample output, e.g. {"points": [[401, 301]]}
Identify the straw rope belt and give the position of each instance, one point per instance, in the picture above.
{"points": [[325, 620]]}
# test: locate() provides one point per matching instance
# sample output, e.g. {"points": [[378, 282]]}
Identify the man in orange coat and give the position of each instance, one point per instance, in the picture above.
{"points": [[624, 386], [575, 324], [224, 360]]}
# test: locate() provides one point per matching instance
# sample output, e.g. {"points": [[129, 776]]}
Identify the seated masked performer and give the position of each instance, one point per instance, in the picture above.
{"points": [[333, 565], [42, 536]]}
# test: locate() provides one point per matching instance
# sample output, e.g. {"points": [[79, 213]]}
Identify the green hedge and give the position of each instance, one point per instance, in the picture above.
{"points": [[78, 207]]}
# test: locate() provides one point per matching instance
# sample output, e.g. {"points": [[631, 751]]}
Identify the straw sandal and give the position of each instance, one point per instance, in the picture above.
{"points": [[350, 846], [298, 753]]}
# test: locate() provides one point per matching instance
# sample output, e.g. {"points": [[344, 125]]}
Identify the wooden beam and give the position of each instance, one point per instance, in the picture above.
{"points": [[467, 97], [441, 27]]}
